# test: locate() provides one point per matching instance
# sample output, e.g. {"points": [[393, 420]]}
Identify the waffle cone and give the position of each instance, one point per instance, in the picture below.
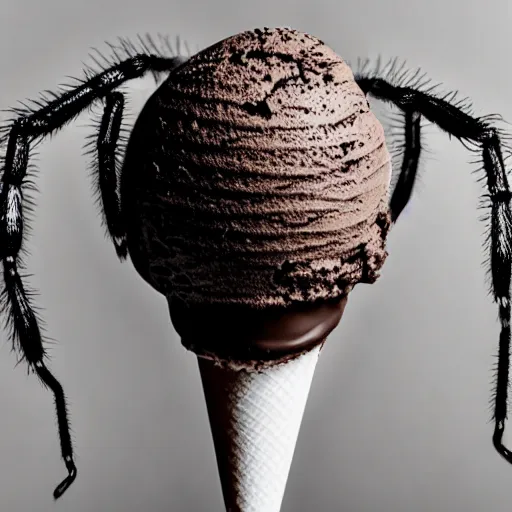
{"points": [[255, 417]]}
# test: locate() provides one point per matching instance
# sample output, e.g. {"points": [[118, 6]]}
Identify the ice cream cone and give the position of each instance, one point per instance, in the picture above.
{"points": [[267, 205], [255, 418]]}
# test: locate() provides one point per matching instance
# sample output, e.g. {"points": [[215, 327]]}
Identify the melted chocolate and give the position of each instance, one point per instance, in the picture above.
{"points": [[242, 333]]}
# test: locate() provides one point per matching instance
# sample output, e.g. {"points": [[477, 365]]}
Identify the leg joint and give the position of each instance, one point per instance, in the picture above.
{"points": [[502, 196], [490, 137]]}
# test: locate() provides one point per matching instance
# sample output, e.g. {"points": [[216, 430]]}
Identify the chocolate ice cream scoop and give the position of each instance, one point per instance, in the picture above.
{"points": [[257, 176], [255, 193]]}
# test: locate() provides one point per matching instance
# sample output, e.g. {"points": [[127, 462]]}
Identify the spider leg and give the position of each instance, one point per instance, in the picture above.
{"points": [[407, 177], [53, 115], [108, 172], [456, 122], [24, 322]]}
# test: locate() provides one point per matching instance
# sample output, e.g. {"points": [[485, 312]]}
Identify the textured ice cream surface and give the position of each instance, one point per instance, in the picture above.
{"points": [[257, 174]]}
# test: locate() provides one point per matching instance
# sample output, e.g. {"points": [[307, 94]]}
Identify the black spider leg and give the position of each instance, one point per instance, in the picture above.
{"points": [[456, 122], [411, 157], [107, 170], [24, 130]]}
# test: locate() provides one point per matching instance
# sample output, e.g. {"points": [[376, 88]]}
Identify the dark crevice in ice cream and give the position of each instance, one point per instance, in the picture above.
{"points": [[238, 336]]}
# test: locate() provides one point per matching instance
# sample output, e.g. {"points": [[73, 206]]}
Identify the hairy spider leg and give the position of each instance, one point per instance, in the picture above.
{"points": [[107, 170], [466, 128], [411, 157], [24, 130]]}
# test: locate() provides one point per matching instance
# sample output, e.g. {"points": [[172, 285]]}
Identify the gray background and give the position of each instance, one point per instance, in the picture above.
{"points": [[397, 418]]}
